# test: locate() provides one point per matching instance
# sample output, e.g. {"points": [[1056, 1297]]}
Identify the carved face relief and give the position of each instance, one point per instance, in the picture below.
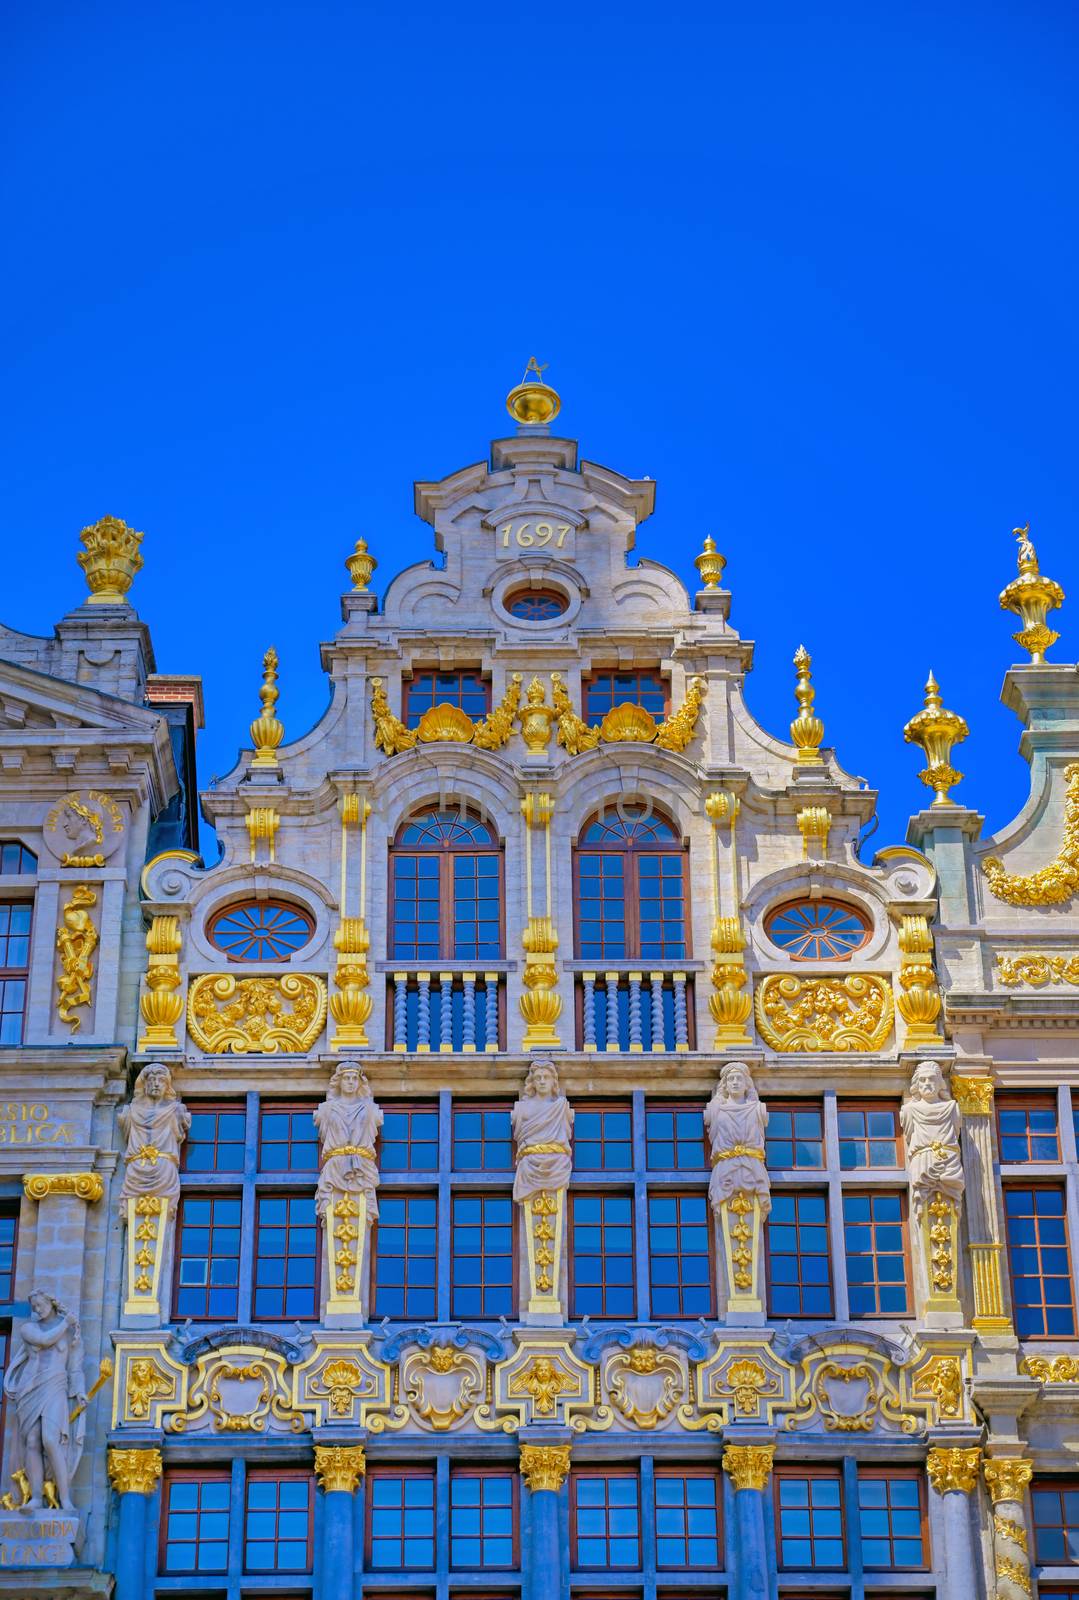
{"points": [[155, 1082], [927, 1082], [349, 1082], [545, 1082], [736, 1084]]}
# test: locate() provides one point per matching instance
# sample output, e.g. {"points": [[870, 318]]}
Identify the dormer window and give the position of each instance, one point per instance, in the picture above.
{"points": [[466, 690], [638, 687]]}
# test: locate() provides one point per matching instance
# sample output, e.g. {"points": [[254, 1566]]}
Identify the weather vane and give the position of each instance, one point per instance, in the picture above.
{"points": [[534, 366]]}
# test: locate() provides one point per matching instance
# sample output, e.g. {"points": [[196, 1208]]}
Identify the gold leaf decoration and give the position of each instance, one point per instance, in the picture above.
{"points": [[852, 1013], [256, 1015], [1056, 882]]}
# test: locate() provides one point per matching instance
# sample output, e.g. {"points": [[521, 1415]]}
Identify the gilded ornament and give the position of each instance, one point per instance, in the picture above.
{"points": [[145, 1383], [807, 730], [536, 719], [748, 1383], [1008, 1528], [263, 823], [677, 731], [83, 1185], [442, 1385], [574, 734], [110, 560], [749, 1466], [360, 566], [936, 730], [541, 1004], [943, 1380], [919, 1000], [266, 732], [1037, 970], [76, 941], [953, 1469], [710, 564], [339, 1468], [1031, 596], [239, 1387], [160, 1005], [90, 826], [134, 1471], [340, 1382], [628, 724], [941, 1221], [1006, 1478], [974, 1096], [1014, 1571], [533, 403], [645, 1384], [497, 727], [249, 1015], [444, 724], [814, 822], [391, 735], [1051, 1369], [545, 1466], [352, 1007], [544, 1382], [730, 1007], [849, 1014], [1055, 883]]}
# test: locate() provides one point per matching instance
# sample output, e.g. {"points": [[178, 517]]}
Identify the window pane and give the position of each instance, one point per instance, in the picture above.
{"points": [[874, 1226], [680, 1257], [483, 1520], [208, 1258], [405, 1246], [799, 1266], [687, 1519], [195, 1516], [601, 1255], [605, 1520], [286, 1258], [482, 1281], [482, 1139], [1042, 1292], [278, 1519], [401, 1520], [809, 1515]]}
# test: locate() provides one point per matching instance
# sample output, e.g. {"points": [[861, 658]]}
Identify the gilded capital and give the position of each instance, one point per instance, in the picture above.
{"points": [[84, 1185], [134, 1471], [545, 1466], [974, 1096], [1006, 1477], [749, 1466], [953, 1468], [339, 1468]]}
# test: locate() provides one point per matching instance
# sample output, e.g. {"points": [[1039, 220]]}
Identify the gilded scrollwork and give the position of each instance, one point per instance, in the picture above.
{"points": [[1036, 970], [849, 1014], [543, 1381], [626, 723], [263, 1015], [645, 1384], [76, 941], [240, 1389], [342, 1382], [849, 1395], [442, 1384], [1056, 882]]}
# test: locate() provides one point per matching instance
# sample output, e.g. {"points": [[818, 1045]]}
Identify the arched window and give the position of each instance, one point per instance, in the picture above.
{"points": [[445, 889], [630, 888]]}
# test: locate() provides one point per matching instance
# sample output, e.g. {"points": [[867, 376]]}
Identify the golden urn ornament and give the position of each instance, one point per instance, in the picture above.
{"points": [[266, 731], [937, 730], [536, 719], [1030, 596], [710, 564], [110, 560], [360, 566], [533, 403]]}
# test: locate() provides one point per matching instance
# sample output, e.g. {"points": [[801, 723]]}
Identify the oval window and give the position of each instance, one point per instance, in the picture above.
{"points": [[536, 605], [261, 930], [817, 930]]}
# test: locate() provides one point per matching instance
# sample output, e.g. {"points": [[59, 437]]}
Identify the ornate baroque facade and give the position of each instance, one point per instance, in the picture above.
{"points": [[545, 1155]]}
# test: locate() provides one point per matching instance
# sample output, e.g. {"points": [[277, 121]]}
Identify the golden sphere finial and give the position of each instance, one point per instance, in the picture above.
{"points": [[533, 403]]}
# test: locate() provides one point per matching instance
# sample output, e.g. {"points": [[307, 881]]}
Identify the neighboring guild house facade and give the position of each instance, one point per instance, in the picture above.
{"points": [[546, 1155]]}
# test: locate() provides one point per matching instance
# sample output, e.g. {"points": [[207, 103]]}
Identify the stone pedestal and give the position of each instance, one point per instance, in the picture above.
{"points": [[42, 1539]]}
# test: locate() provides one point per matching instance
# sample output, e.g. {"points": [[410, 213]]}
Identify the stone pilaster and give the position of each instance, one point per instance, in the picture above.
{"points": [[749, 1467], [340, 1470], [134, 1474], [974, 1096], [544, 1468], [953, 1476], [1007, 1478]]}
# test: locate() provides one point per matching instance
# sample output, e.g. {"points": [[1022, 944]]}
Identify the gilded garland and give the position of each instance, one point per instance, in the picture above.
{"points": [[1057, 881]]}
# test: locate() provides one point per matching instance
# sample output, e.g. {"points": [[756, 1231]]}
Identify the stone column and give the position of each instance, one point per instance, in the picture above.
{"points": [[544, 1468], [749, 1467], [974, 1096], [339, 1469], [1007, 1478], [62, 1198], [134, 1474], [953, 1473]]}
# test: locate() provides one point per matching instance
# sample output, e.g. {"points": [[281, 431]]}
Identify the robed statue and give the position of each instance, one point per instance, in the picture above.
{"points": [[931, 1121], [348, 1121], [154, 1125], [735, 1121], [46, 1385], [542, 1122]]}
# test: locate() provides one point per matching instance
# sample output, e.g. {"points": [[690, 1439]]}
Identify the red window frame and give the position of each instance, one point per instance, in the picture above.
{"points": [[1044, 1485], [538, 595], [797, 1195], [407, 1313], [379, 1474], [292, 1109], [606, 1474], [1044, 1306], [598, 693], [10, 974], [582, 1135], [874, 1254], [413, 692], [9, 1212], [668, 1474], [485, 1474], [279, 1475], [216, 1109], [674, 1108], [891, 1475], [1009, 1104], [447, 853], [603, 1315], [481, 1108], [818, 942], [810, 1474], [291, 1198], [411, 1143], [264, 949], [213, 1198], [865, 1107], [630, 852], [482, 1197], [700, 1196], [201, 1476], [792, 1108]]}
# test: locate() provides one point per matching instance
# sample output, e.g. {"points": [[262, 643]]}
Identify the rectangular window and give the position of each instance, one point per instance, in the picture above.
{"points": [[605, 1521], [408, 1141], [601, 1255], [468, 691], [286, 1258], [674, 1138], [400, 1520], [602, 1138], [215, 1140], [482, 1139], [795, 1136], [680, 1254], [482, 1280], [288, 1141], [688, 1504], [483, 1520], [869, 1136], [208, 1258], [9, 1239], [809, 1518], [416, 915], [195, 1522], [1042, 1295], [279, 1521], [891, 1517], [799, 1267], [14, 965], [404, 1256], [1054, 1506], [477, 912], [1027, 1128], [661, 907], [874, 1228], [605, 690], [601, 907]]}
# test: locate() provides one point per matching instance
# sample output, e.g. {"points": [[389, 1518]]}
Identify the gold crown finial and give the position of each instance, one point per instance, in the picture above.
{"points": [[266, 731], [1030, 596], [360, 565], [533, 403], [110, 560], [710, 564], [807, 731], [936, 730]]}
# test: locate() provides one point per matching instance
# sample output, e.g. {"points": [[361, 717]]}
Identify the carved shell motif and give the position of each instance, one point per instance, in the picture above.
{"points": [[628, 722], [445, 722]]}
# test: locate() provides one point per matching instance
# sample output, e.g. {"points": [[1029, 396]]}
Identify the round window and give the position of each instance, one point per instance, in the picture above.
{"points": [[817, 930], [536, 605], [261, 930]]}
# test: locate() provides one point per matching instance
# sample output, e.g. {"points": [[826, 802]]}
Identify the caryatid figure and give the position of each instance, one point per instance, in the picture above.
{"points": [[46, 1384], [739, 1188], [931, 1121], [154, 1127], [346, 1200], [542, 1122]]}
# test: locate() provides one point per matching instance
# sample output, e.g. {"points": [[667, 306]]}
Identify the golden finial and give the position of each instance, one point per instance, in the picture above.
{"points": [[360, 565], [710, 564], [937, 730], [110, 560], [266, 731], [533, 403], [807, 731], [1030, 596]]}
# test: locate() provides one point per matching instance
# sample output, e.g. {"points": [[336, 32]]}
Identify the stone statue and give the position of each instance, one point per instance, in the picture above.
{"points": [[155, 1125], [542, 1122], [46, 1383], [931, 1122], [735, 1121], [348, 1121]]}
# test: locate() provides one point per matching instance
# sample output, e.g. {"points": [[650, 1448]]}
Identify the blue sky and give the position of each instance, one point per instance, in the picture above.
{"points": [[811, 268]]}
